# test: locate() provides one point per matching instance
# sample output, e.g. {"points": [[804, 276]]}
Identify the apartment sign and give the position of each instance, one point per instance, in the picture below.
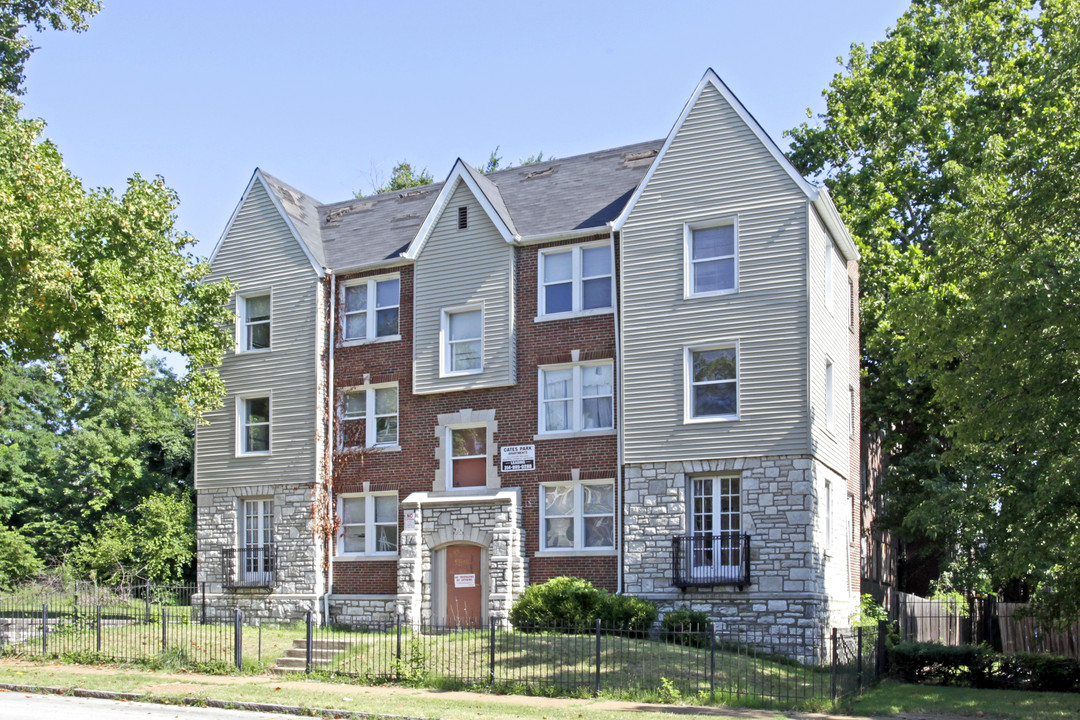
{"points": [[516, 458]]}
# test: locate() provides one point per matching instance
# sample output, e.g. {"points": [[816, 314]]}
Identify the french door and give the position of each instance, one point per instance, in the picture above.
{"points": [[256, 553], [716, 526]]}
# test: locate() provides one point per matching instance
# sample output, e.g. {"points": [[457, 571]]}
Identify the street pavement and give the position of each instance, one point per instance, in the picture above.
{"points": [[21, 706]]}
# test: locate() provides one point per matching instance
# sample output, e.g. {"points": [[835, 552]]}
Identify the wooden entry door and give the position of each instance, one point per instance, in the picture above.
{"points": [[464, 596]]}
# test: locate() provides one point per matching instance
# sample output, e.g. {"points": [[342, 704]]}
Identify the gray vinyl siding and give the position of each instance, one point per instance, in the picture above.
{"points": [[829, 339], [463, 267], [261, 254], [714, 168]]}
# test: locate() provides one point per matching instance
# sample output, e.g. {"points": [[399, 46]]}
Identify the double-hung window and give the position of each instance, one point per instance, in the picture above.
{"points": [[371, 416], [463, 333], [255, 322], [578, 516], [575, 398], [830, 411], [712, 390], [468, 456], [711, 258], [368, 524], [371, 309], [253, 426], [575, 279]]}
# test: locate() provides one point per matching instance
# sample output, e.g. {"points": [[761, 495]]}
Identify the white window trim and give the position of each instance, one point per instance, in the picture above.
{"points": [[688, 255], [242, 324], [369, 525], [372, 315], [688, 384], [241, 425], [575, 400], [448, 442], [579, 519], [370, 429], [577, 291], [717, 514], [444, 340]]}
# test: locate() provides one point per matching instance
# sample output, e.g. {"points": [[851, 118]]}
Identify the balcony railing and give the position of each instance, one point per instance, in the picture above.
{"points": [[711, 560], [251, 566]]}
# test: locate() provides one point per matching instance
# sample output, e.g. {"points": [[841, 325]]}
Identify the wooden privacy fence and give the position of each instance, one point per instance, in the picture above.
{"points": [[942, 621], [1023, 634]]}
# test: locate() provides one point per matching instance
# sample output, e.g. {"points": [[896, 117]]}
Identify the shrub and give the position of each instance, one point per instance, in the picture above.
{"points": [[18, 561], [687, 627], [1040, 672], [626, 612], [920, 662], [573, 604]]}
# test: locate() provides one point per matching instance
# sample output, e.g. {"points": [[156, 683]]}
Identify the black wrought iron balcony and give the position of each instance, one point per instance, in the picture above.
{"points": [[711, 560], [251, 566]]}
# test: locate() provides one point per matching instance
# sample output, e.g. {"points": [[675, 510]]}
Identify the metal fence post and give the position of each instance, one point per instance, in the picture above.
{"points": [[307, 653], [491, 656], [238, 638], [858, 662], [45, 629], [399, 641], [147, 602], [835, 635], [203, 621], [712, 665], [99, 628], [164, 628], [596, 684]]}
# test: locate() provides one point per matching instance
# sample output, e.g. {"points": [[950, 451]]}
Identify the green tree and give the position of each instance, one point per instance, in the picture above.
{"points": [[72, 459], [951, 148], [15, 46], [157, 545], [18, 561]]}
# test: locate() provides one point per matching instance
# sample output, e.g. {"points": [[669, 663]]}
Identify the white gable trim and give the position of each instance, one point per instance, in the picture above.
{"points": [[258, 177], [812, 192], [457, 175]]}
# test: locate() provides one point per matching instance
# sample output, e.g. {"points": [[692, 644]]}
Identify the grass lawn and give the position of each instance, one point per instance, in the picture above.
{"points": [[892, 698], [378, 700], [524, 663]]}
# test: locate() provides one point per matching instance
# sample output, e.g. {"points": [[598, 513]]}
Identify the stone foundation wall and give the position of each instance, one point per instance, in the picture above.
{"points": [[356, 610], [298, 582], [787, 591]]}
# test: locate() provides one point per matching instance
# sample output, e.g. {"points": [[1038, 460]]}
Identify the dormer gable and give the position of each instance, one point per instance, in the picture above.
{"points": [[486, 194]]}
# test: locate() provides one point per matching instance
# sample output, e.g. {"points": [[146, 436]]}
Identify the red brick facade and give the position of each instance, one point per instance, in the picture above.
{"points": [[412, 469]]}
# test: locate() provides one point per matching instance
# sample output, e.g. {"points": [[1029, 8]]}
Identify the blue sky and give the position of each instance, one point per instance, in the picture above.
{"points": [[328, 96]]}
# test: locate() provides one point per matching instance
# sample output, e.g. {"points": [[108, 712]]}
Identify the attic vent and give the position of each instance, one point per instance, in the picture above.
{"points": [[634, 157], [463, 217], [414, 194], [539, 173]]}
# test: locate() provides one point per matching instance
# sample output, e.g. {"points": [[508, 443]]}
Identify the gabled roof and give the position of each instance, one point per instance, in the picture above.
{"points": [[295, 208], [818, 196], [564, 195]]}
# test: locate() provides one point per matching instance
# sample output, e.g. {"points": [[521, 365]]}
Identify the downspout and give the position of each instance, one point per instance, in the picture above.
{"points": [[330, 411], [619, 415]]}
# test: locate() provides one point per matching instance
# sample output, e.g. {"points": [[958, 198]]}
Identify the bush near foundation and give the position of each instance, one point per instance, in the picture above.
{"points": [[687, 627], [573, 604], [981, 667]]}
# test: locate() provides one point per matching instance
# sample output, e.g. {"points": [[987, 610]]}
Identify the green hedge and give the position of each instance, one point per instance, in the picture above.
{"points": [[979, 666], [569, 603]]}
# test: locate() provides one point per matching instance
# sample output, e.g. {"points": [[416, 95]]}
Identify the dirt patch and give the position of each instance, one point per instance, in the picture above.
{"points": [[176, 688]]}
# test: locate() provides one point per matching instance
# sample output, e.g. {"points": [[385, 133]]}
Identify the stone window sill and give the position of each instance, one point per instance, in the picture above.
{"points": [[365, 558], [575, 553]]}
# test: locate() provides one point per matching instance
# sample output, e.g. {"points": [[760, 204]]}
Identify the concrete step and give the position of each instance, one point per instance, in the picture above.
{"points": [[315, 654], [317, 644]]}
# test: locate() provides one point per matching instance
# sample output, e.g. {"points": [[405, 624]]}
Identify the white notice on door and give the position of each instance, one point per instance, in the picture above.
{"points": [[463, 581]]}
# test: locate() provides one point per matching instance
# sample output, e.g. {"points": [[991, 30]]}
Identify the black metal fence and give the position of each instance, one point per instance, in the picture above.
{"points": [[169, 625]]}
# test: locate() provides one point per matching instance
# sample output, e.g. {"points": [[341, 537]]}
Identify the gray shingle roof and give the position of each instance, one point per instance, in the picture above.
{"points": [[574, 193]]}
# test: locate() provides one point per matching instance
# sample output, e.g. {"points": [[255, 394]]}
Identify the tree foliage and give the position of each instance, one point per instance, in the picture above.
{"points": [[75, 461], [16, 15], [951, 148]]}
